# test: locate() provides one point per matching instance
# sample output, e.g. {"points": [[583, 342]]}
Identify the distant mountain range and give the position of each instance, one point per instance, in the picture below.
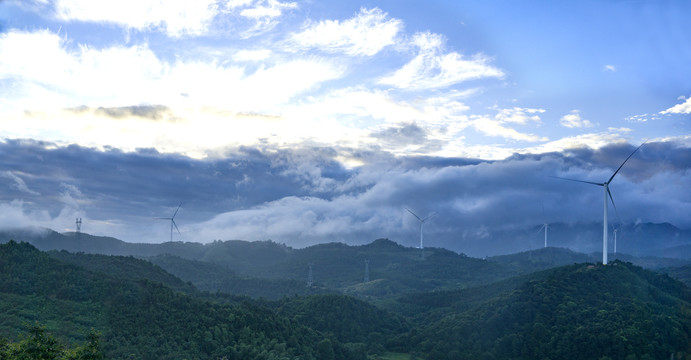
{"points": [[643, 239], [272, 270]]}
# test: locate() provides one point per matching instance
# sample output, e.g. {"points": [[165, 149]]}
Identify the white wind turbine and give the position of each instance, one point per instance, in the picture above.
{"points": [[605, 186], [422, 221], [172, 222], [545, 225]]}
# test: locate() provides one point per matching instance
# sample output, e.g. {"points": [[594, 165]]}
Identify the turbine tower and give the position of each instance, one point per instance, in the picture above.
{"points": [[545, 225], [422, 221], [172, 222], [605, 187], [78, 222], [366, 270], [310, 275]]}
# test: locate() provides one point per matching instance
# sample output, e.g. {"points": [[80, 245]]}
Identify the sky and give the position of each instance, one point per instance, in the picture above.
{"points": [[315, 121]]}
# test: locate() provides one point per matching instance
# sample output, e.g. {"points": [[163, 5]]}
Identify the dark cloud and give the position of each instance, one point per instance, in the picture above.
{"points": [[149, 112], [306, 196], [401, 136]]}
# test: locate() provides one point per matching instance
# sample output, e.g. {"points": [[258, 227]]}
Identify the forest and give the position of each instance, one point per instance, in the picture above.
{"points": [[439, 305]]}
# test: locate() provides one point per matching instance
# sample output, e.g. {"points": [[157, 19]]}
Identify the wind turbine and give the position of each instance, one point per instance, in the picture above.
{"points": [[545, 225], [616, 229], [172, 222], [605, 186], [422, 221]]}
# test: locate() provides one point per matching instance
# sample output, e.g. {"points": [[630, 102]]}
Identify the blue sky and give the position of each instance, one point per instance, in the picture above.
{"points": [[340, 97]]}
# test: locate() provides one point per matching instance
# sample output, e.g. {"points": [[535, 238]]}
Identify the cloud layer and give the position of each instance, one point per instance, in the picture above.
{"points": [[304, 197]]}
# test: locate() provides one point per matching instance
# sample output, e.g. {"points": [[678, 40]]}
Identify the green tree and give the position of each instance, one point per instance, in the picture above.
{"points": [[41, 345]]}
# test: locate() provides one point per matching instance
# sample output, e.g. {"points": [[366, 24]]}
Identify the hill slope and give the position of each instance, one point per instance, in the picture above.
{"points": [[580, 311], [144, 319]]}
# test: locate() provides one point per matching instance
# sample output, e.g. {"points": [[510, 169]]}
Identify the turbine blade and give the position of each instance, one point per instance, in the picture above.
{"points": [[161, 218], [413, 214], [613, 204], [622, 164], [176, 226], [543, 213], [582, 181], [176, 211], [430, 216]]}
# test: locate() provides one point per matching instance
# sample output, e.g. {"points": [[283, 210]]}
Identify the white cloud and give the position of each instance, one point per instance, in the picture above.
{"points": [[18, 183], [268, 9], [264, 14], [611, 68], [363, 35], [252, 55], [642, 118], [238, 3], [574, 120], [176, 17], [42, 66], [494, 128], [519, 115], [41, 60], [683, 108], [593, 141], [123, 76], [16, 214], [301, 221], [432, 68]]}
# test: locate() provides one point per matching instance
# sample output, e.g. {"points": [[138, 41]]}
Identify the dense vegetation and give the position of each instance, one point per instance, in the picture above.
{"points": [[123, 267], [574, 312], [41, 345], [344, 318], [216, 278], [439, 305], [144, 319]]}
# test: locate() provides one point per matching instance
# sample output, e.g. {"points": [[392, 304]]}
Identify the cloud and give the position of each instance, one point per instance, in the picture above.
{"points": [[407, 136], [16, 215], [366, 34], [306, 196], [263, 13], [149, 112], [683, 108], [495, 128], [610, 68], [18, 183], [431, 68], [135, 75], [174, 17], [410, 133], [42, 61], [267, 9], [642, 118], [519, 115], [252, 55], [573, 120]]}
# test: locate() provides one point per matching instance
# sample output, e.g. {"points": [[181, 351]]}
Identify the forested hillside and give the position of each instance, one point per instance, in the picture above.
{"points": [[144, 319], [271, 270], [582, 311], [216, 278], [442, 311]]}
